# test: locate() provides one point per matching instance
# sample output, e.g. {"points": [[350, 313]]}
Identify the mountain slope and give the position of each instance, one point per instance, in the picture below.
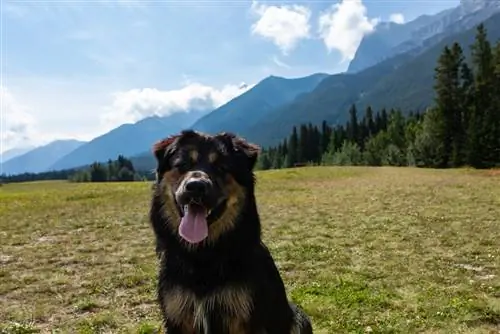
{"points": [[253, 105], [241, 112], [424, 31], [127, 139], [405, 81], [376, 46], [41, 158], [15, 152]]}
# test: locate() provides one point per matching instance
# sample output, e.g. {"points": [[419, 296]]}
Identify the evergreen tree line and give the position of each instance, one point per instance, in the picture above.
{"points": [[377, 139], [120, 170], [461, 129], [43, 176]]}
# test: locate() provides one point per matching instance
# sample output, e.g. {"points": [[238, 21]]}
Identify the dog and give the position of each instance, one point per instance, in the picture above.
{"points": [[216, 276]]}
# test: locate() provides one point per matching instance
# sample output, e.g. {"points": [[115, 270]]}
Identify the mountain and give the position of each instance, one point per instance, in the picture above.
{"points": [[392, 39], [144, 161], [39, 159], [377, 45], [404, 81], [15, 152], [244, 110], [127, 139], [248, 108]]}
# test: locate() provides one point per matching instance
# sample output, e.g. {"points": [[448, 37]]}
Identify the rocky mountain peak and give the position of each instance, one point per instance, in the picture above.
{"points": [[470, 6]]}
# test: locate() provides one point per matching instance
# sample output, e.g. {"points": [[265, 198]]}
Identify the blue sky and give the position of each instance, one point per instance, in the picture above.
{"points": [[76, 69]]}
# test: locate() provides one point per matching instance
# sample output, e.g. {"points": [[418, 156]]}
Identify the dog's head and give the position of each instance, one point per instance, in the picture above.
{"points": [[204, 182]]}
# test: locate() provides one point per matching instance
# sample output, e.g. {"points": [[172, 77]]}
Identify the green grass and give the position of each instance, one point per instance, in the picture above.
{"points": [[386, 250]]}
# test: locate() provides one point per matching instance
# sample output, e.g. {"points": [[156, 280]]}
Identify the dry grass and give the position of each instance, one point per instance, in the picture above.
{"points": [[380, 250]]}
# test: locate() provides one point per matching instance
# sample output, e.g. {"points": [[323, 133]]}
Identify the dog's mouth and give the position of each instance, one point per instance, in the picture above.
{"points": [[196, 218]]}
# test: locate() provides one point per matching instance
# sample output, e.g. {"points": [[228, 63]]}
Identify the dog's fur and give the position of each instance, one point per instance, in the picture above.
{"points": [[228, 283]]}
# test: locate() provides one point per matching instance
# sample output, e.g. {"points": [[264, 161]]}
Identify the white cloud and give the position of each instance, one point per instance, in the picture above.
{"points": [[343, 26], [136, 104], [284, 25], [397, 18], [24, 125], [38, 111], [17, 123], [62, 107], [280, 63]]}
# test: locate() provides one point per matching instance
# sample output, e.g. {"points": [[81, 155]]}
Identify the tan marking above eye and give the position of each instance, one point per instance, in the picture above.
{"points": [[193, 154], [212, 157]]}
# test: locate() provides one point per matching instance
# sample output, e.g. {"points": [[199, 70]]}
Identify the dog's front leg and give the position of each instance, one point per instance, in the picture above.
{"points": [[177, 315]]}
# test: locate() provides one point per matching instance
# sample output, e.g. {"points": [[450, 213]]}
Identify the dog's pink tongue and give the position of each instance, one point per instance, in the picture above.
{"points": [[194, 227]]}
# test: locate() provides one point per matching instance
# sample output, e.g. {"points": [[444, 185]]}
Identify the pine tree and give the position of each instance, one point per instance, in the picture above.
{"points": [[98, 173], [316, 145], [303, 147], [285, 147], [112, 170], [279, 149], [384, 120], [466, 98], [375, 149], [333, 143], [444, 102], [411, 128], [448, 92], [370, 122], [293, 145], [363, 133], [277, 161], [428, 147], [480, 136], [352, 129], [457, 129], [311, 145], [396, 137], [496, 104], [264, 163], [337, 137], [325, 137], [378, 122]]}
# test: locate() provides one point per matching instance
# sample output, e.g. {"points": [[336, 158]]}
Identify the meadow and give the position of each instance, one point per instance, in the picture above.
{"points": [[362, 250]]}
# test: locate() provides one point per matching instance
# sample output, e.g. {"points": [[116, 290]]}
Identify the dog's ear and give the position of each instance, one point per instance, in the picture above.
{"points": [[241, 147], [161, 147], [251, 150]]}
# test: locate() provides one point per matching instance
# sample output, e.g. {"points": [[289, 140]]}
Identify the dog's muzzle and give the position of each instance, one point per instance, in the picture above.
{"points": [[196, 188], [200, 204]]}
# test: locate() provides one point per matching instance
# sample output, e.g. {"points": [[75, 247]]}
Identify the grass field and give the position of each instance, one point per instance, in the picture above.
{"points": [[381, 250]]}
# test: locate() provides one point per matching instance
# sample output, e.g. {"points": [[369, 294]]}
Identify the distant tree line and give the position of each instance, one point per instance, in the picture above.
{"points": [[44, 176], [120, 170], [461, 129]]}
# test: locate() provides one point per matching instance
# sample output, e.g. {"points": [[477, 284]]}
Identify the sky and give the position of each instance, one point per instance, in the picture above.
{"points": [[79, 68]]}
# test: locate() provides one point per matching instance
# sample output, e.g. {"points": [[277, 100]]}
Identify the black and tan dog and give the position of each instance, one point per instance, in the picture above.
{"points": [[216, 276]]}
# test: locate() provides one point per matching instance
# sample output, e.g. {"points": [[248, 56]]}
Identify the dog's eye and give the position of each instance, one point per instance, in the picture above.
{"points": [[181, 165], [220, 168]]}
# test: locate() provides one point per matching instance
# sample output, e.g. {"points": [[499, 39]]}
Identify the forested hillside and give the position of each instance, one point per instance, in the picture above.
{"points": [[463, 128], [404, 82]]}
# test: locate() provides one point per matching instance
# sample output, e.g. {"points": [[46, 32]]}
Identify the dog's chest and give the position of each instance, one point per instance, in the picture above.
{"points": [[226, 309]]}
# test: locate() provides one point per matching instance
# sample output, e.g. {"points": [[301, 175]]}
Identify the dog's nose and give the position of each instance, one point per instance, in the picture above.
{"points": [[197, 187]]}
